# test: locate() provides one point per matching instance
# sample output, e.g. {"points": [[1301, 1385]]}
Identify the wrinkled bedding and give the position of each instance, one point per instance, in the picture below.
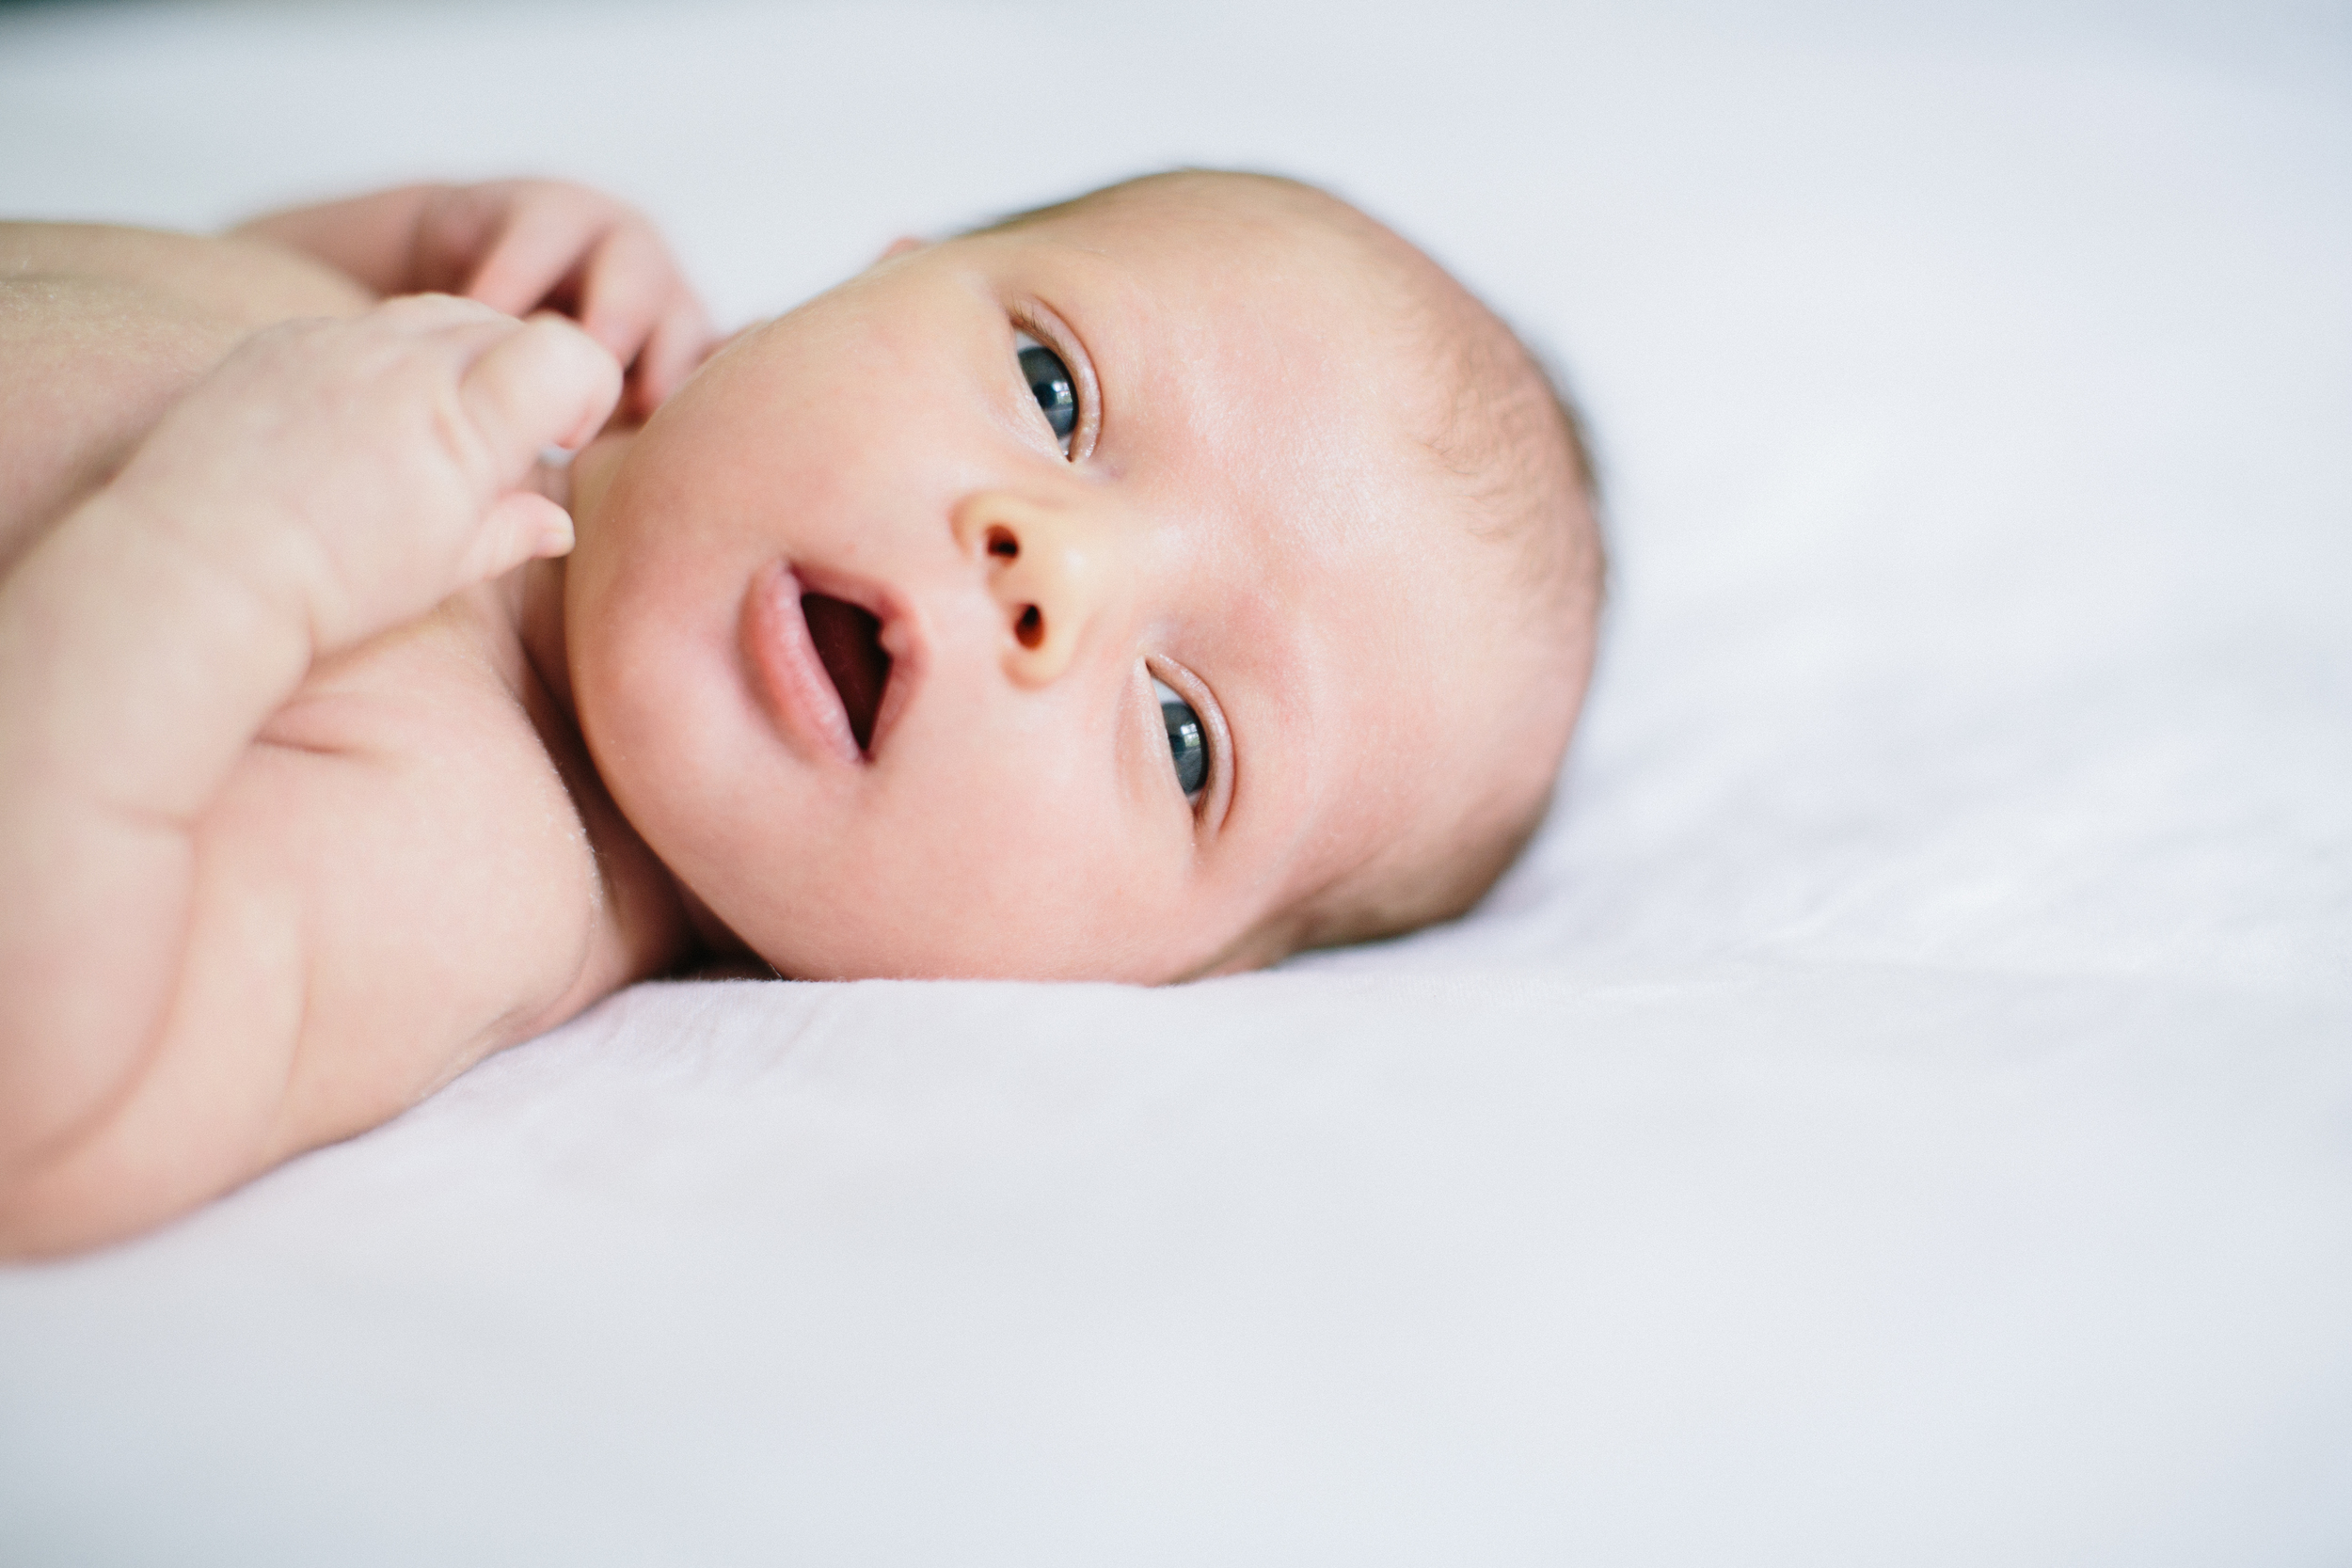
{"points": [[1900, 1109]]}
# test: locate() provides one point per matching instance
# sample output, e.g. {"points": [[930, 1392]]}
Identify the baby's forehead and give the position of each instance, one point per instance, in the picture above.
{"points": [[1300, 315], [1242, 235]]}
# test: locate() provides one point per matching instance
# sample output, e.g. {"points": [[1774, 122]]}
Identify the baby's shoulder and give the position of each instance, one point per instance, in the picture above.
{"points": [[440, 736], [451, 693], [427, 804]]}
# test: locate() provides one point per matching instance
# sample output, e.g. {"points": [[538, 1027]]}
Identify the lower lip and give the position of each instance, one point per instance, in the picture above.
{"points": [[786, 670]]}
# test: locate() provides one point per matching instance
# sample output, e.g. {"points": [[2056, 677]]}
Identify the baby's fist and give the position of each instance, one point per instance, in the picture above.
{"points": [[357, 472]]}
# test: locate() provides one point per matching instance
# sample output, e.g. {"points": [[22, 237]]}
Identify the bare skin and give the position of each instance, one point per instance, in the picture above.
{"points": [[316, 734], [237, 951]]}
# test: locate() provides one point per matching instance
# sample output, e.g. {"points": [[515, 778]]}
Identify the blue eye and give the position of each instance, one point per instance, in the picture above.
{"points": [[1050, 382], [1186, 745]]}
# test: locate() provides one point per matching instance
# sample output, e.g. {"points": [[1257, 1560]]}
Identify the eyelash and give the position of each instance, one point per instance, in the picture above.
{"points": [[1040, 329], [1212, 751]]}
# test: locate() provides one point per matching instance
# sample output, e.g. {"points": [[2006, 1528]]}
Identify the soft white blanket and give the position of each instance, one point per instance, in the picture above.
{"points": [[1901, 1110]]}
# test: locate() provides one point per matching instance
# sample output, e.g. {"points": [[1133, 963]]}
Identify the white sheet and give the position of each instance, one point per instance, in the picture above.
{"points": [[1901, 1111]]}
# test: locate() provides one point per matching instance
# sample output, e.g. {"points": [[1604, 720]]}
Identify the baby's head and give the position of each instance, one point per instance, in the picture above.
{"points": [[1151, 585]]}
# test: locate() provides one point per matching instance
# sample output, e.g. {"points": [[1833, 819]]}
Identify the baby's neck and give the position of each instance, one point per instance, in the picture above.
{"points": [[538, 588], [650, 924]]}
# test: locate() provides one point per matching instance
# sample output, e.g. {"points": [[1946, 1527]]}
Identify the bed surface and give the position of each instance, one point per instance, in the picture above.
{"points": [[1900, 1110]]}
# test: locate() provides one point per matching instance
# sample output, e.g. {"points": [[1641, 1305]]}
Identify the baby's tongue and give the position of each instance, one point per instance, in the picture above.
{"points": [[849, 640]]}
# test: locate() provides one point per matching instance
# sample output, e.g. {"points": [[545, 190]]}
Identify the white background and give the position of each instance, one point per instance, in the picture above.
{"points": [[1901, 1110]]}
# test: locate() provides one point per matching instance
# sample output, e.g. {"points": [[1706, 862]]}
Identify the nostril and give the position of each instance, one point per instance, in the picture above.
{"points": [[1002, 545], [1030, 628]]}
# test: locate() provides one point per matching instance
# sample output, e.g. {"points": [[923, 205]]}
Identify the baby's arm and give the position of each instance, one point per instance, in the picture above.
{"points": [[518, 245], [329, 481]]}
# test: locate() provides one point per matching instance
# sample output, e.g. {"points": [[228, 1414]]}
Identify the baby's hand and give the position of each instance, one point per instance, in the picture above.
{"points": [[518, 245], [354, 473], [524, 244]]}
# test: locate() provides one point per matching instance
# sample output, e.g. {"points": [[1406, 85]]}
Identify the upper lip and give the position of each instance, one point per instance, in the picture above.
{"points": [[788, 673]]}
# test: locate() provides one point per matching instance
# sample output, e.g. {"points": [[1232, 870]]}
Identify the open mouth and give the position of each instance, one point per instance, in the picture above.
{"points": [[848, 644]]}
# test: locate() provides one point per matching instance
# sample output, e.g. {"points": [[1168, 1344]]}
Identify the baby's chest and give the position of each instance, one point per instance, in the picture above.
{"points": [[410, 800]]}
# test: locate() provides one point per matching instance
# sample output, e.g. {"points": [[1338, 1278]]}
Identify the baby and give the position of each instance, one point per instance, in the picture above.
{"points": [[1144, 587]]}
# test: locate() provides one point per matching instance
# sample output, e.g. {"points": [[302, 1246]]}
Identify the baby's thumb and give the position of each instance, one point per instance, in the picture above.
{"points": [[519, 527], [546, 383]]}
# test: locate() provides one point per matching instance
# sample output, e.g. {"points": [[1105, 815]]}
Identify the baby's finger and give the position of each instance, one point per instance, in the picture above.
{"points": [[625, 284], [519, 527], [453, 233], [680, 341], [541, 246], [418, 314], [545, 384]]}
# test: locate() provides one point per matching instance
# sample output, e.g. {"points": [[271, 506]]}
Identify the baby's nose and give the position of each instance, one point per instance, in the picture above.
{"points": [[1051, 569]]}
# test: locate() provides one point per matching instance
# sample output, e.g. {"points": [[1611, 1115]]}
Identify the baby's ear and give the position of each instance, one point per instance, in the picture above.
{"points": [[900, 246]]}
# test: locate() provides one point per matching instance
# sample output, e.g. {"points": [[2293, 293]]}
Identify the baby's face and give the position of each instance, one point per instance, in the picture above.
{"points": [[1232, 531]]}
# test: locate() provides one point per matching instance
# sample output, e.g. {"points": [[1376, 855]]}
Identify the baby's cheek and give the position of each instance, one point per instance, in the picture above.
{"points": [[919, 903]]}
